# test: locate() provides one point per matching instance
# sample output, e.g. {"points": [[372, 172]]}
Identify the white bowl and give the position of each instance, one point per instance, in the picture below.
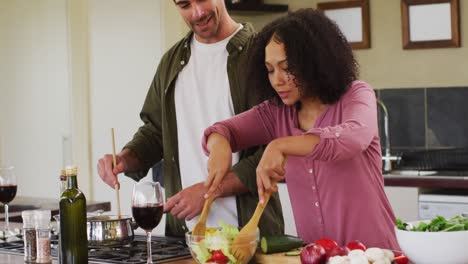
{"points": [[434, 247]]}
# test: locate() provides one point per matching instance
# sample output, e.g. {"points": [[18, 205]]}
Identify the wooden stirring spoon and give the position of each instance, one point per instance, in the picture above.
{"points": [[117, 184], [200, 227], [241, 247]]}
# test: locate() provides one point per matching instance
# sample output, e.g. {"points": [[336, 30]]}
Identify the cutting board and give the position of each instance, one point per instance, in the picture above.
{"points": [[278, 258]]}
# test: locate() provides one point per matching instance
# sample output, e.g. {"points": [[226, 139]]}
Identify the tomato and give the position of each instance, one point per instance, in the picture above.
{"points": [[356, 244], [400, 259], [218, 257], [327, 243]]}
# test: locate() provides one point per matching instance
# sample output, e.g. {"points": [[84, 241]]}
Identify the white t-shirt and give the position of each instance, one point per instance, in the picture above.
{"points": [[203, 97]]}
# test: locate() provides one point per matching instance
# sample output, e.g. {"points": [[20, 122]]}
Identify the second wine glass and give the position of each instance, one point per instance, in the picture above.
{"points": [[147, 209], [8, 190]]}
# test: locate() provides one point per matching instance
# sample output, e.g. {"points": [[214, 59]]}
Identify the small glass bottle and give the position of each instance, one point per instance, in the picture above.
{"points": [[63, 182], [57, 232], [29, 236], [42, 221]]}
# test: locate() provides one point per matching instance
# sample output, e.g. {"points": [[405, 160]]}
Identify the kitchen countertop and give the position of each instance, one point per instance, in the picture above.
{"points": [[21, 203], [439, 179], [260, 258], [16, 259]]}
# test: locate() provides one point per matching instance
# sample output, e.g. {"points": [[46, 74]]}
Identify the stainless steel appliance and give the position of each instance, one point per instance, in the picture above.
{"points": [[446, 205], [164, 249]]}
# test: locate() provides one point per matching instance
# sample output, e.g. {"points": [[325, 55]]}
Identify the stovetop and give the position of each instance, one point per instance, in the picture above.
{"points": [[163, 249]]}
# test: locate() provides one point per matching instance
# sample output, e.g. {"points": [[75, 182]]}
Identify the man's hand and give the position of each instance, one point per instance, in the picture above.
{"points": [[187, 203], [126, 161], [107, 171]]}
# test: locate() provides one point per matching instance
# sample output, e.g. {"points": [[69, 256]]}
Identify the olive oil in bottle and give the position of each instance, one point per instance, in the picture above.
{"points": [[73, 238]]}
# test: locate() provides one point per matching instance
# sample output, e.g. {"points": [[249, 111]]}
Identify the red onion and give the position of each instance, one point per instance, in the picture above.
{"points": [[338, 251], [313, 254]]}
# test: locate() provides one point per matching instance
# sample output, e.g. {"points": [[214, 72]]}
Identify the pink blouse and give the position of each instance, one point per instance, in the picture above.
{"points": [[337, 190]]}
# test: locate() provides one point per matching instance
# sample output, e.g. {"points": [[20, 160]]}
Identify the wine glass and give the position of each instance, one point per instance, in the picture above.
{"points": [[8, 190], [147, 209]]}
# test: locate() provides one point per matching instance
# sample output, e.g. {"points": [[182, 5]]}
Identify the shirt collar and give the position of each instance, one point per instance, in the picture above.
{"points": [[237, 42]]}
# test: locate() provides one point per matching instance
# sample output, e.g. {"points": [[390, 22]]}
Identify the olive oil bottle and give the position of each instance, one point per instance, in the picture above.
{"points": [[73, 238]]}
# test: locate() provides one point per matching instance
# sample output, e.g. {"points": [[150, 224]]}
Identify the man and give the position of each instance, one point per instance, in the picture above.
{"points": [[199, 81]]}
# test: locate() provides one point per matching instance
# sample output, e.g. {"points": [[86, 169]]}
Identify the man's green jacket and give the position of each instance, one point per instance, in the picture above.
{"points": [[157, 138]]}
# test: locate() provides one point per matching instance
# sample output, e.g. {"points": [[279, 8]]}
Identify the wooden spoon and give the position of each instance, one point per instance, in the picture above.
{"points": [[200, 227], [117, 184], [241, 247]]}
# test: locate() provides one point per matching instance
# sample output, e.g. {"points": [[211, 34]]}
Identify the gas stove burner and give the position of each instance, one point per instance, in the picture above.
{"points": [[164, 249]]}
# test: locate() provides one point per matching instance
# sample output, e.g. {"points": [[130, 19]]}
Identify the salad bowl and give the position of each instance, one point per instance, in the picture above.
{"points": [[215, 245], [440, 246]]}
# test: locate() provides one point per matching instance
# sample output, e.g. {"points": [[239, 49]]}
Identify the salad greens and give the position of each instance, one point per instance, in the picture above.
{"points": [[215, 240], [438, 224]]}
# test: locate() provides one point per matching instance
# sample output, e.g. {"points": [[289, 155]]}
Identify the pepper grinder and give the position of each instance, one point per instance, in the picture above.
{"points": [[29, 236]]}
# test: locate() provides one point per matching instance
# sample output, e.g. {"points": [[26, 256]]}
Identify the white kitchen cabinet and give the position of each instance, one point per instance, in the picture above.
{"points": [[404, 201], [289, 224]]}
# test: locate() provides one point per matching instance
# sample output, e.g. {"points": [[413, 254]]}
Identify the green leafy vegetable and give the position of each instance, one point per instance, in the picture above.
{"points": [[400, 224], [438, 224], [220, 239]]}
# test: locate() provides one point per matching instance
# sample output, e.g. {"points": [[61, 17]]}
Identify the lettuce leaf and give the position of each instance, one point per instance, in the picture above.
{"points": [[201, 252]]}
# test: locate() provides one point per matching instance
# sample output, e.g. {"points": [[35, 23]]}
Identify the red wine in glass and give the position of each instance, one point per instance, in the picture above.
{"points": [[147, 209], [7, 193], [8, 190], [148, 217]]}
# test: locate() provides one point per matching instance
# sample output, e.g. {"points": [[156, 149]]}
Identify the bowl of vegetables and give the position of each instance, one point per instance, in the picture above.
{"points": [[438, 240], [215, 245]]}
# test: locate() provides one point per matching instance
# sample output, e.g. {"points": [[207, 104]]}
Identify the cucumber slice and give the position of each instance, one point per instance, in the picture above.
{"points": [[293, 253], [279, 243]]}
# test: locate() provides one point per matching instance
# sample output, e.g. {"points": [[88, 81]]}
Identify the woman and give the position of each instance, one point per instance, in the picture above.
{"points": [[323, 120]]}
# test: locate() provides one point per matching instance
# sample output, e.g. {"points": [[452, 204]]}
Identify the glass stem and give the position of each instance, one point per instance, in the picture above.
{"points": [[148, 247], [7, 221]]}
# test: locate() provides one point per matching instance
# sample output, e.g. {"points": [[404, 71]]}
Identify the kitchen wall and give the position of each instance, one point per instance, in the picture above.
{"points": [[386, 64], [34, 92], [125, 46], [73, 69], [70, 71]]}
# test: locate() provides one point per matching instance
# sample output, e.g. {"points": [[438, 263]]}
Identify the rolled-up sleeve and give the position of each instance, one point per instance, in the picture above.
{"points": [[357, 130], [251, 128]]}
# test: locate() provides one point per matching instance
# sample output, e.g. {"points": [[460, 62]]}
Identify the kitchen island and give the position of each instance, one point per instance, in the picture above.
{"points": [[14, 256], [9, 254], [260, 258], [17, 259], [263, 259]]}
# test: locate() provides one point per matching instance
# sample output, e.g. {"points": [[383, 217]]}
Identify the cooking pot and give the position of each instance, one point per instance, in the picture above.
{"points": [[110, 230]]}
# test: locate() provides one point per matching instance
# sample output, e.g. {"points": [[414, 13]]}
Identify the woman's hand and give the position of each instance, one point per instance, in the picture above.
{"points": [[219, 161], [270, 169]]}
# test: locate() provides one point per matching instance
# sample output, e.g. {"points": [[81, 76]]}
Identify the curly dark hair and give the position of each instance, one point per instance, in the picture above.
{"points": [[318, 55]]}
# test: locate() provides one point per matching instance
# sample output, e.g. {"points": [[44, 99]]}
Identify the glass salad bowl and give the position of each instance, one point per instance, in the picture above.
{"points": [[215, 245]]}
